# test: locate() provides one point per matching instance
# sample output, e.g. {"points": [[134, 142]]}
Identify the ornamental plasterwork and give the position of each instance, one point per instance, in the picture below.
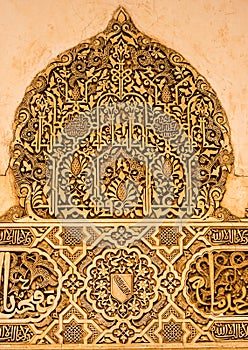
{"points": [[120, 156]]}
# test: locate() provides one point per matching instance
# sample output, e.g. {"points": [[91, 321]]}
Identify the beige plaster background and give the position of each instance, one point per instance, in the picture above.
{"points": [[211, 34]]}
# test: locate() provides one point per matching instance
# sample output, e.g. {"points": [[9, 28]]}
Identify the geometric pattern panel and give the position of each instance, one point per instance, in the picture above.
{"points": [[96, 290]]}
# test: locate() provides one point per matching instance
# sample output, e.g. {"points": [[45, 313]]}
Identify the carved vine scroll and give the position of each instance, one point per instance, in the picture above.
{"points": [[120, 127], [120, 157]]}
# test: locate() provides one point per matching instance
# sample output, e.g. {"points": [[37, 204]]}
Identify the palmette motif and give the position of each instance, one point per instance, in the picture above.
{"points": [[120, 157], [120, 127]]}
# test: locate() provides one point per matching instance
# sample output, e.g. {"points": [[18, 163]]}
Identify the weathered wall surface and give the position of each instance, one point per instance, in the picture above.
{"points": [[211, 35]]}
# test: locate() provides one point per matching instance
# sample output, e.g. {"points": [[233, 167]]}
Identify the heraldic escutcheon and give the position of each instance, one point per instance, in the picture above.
{"points": [[120, 156]]}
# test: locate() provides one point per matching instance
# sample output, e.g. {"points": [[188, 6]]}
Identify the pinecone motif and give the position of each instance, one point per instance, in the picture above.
{"points": [[167, 168], [76, 93], [166, 94], [76, 166], [121, 191]]}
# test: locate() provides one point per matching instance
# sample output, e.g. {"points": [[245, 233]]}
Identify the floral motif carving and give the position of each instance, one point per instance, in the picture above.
{"points": [[120, 157], [122, 127]]}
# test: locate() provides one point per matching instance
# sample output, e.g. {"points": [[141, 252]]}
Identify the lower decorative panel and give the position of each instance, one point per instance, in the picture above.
{"points": [[123, 285]]}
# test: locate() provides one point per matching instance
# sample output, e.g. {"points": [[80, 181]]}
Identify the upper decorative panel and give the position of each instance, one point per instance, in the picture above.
{"points": [[120, 127]]}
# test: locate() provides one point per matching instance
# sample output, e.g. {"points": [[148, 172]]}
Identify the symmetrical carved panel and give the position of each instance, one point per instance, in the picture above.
{"points": [[94, 290], [120, 126], [120, 156]]}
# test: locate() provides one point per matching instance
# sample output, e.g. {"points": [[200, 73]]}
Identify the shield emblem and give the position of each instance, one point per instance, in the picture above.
{"points": [[122, 286]]}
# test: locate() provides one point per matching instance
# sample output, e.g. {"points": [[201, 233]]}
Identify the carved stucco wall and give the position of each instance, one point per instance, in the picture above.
{"points": [[211, 35], [210, 42]]}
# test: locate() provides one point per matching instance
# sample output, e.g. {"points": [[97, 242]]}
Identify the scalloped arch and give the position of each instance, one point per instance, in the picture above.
{"points": [[120, 92]]}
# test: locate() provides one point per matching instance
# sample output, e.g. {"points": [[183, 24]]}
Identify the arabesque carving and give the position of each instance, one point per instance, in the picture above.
{"points": [[120, 157]]}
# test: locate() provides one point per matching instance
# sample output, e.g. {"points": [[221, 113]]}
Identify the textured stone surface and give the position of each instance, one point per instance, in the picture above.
{"points": [[120, 234]]}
